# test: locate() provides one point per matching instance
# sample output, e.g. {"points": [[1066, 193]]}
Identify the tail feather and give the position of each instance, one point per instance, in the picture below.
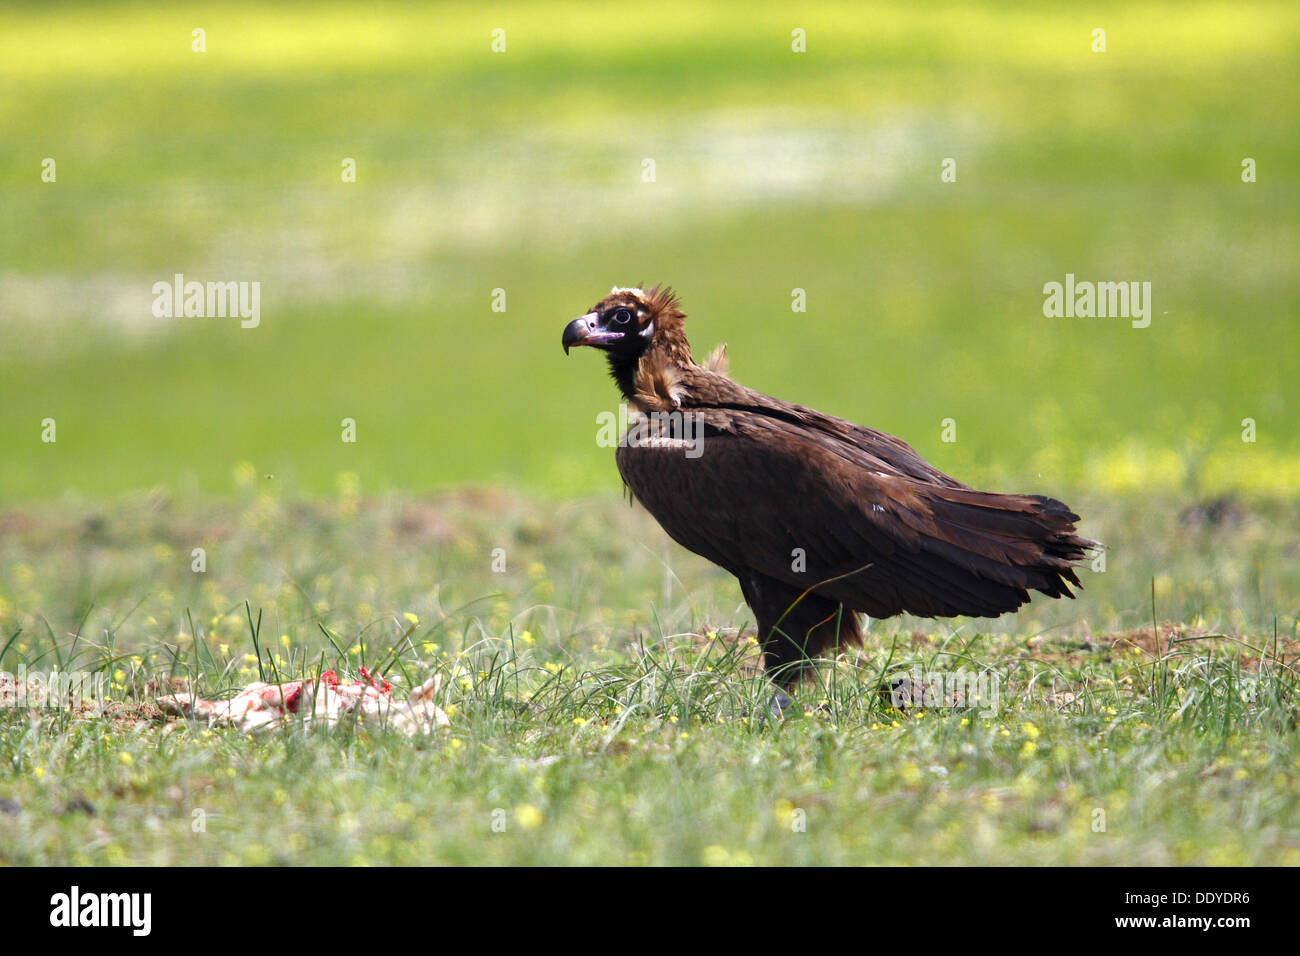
{"points": [[971, 553]]}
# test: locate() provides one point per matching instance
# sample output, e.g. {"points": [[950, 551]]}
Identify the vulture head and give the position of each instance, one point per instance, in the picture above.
{"points": [[628, 325], [623, 323]]}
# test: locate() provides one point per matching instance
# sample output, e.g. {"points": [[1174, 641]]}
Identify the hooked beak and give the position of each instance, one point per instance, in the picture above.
{"points": [[587, 331]]}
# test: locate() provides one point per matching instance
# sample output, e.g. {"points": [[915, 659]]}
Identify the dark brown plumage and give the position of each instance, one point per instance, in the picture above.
{"points": [[818, 518]]}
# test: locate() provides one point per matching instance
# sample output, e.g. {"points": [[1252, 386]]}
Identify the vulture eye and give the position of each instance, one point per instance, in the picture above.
{"points": [[621, 317]]}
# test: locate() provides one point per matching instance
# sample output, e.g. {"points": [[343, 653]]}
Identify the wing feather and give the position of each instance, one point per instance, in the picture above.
{"points": [[876, 527]]}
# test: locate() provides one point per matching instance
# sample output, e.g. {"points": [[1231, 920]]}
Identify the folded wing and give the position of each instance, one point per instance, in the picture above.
{"points": [[847, 513]]}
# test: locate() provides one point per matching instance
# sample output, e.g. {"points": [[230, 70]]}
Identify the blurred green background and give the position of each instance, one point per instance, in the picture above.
{"points": [[522, 171]]}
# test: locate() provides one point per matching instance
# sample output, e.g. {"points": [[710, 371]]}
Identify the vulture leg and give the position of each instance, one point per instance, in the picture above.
{"points": [[795, 628]]}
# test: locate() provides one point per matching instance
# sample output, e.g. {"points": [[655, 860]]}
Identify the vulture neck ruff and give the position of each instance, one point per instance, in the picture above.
{"points": [[649, 379], [651, 382]]}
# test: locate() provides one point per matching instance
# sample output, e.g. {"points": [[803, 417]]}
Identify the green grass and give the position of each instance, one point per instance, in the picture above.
{"points": [[593, 712]]}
